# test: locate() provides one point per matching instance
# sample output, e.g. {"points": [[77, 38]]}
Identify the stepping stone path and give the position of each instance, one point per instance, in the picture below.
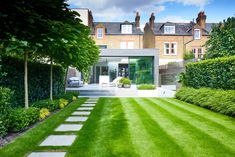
{"points": [[80, 115]]}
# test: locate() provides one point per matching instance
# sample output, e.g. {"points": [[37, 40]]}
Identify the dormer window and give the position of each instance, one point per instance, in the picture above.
{"points": [[126, 29], [169, 29], [197, 34], [99, 33]]}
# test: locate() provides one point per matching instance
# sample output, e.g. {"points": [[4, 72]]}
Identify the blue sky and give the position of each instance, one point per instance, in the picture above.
{"points": [[164, 10]]}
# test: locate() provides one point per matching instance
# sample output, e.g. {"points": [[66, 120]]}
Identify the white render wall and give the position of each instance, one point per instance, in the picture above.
{"points": [[83, 14]]}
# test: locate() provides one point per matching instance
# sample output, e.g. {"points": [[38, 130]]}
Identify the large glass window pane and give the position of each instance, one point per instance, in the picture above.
{"points": [[141, 70]]}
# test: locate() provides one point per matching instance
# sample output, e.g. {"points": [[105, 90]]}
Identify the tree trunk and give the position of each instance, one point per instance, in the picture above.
{"points": [[51, 80], [26, 92], [65, 79]]}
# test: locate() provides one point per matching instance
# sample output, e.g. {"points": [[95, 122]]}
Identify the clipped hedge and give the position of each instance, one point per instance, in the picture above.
{"points": [[51, 105], [146, 87], [5, 100], [213, 73], [222, 101], [22, 118], [39, 79]]}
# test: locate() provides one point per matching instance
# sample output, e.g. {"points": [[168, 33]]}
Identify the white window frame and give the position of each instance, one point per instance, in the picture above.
{"points": [[99, 34], [167, 28], [199, 34], [123, 45], [170, 48], [127, 45], [126, 29]]}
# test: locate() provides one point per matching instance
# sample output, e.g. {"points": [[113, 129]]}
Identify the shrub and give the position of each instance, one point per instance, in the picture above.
{"points": [[22, 118], [5, 100], [47, 103], [63, 102], [188, 55], [39, 84], [212, 73], [146, 87], [44, 112], [222, 101], [69, 96], [125, 81]]}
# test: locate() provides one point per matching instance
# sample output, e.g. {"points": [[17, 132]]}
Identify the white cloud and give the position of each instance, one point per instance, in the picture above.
{"points": [[120, 10]]}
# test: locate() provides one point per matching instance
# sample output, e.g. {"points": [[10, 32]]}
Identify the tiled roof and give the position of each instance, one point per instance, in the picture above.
{"points": [[114, 28], [180, 28]]}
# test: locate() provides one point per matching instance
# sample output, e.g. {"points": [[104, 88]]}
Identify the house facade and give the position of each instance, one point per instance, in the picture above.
{"points": [[128, 51], [175, 39]]}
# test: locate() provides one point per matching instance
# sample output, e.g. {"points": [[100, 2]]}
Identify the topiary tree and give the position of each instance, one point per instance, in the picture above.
{"points": [[222, 40]]}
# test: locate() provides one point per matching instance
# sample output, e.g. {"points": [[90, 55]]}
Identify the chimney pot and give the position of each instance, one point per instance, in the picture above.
{"points": [[151, 21], [137, 20], [201, 19]]}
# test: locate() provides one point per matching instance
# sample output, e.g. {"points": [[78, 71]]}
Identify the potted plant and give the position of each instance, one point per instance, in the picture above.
{"points": [[126, 83]]}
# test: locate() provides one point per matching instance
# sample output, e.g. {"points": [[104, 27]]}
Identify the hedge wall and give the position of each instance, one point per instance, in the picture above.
{"points": [[212, 73], [218, 100], [39, 79]]}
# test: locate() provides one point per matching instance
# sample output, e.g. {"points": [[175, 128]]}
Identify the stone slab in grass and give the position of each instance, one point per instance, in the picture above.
{"points": [[81, 113], [85, 108], [76, 119], [58, 140], [88, 105], [47, 154], [69, 127]]}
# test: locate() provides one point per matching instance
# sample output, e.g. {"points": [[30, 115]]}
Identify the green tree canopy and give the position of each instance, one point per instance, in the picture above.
{"points": [[45, 28], [222, 40]]}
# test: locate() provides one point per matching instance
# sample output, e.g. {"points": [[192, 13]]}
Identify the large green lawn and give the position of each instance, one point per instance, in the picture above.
{"points": [[147, 127]]}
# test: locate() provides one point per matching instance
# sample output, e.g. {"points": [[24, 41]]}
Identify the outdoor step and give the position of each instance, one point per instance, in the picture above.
{"points": [[81, 113], [58, 140], [76, 119], [69, 127], [47, 154], [85, 108], [88, 105]]}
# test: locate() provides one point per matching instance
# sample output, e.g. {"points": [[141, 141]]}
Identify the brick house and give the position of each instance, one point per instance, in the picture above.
{"points": [[175, 39]]}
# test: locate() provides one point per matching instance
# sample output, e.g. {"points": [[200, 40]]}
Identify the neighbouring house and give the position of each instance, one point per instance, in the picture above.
{"points": [[175, 39]]}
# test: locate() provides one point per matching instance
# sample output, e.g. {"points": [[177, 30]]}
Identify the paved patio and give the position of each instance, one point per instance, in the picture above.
{"points": [[96, 90]]}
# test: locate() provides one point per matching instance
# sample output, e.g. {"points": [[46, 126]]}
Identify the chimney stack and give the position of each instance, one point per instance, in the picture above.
{"points": [[90, 19], [201, 19], [151, 21], [137, 20]]}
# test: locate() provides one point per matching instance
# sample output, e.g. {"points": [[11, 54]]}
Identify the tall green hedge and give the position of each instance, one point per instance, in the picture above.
{"points": [[39, 80], [213, 73]]}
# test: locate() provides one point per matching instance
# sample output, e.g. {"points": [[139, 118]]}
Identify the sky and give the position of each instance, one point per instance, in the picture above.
{"points": [[164, 10]]}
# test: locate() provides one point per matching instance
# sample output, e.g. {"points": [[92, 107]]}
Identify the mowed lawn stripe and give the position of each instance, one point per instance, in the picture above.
{"points": [[225, 121], [141, 140], [166, 145], [88, 135], [207, 145], [105, 133], [216, 131]]}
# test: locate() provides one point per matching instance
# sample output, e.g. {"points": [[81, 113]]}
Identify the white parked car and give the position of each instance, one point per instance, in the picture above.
{"points": [[75, 82]]}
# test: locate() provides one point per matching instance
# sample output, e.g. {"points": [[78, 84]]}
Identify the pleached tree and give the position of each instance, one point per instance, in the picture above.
{"points": [[29, 29]]}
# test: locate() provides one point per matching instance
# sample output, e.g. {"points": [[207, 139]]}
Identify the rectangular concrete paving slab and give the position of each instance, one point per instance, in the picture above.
{"points": [[69, 127], [47, 154], [76, 119], [88, 105], [59, 140], [81, 113], [85, 108], [92, 102]]}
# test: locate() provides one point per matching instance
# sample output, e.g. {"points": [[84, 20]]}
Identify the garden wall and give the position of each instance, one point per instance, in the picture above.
{"points": [[39, 79], [216, 73]]}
